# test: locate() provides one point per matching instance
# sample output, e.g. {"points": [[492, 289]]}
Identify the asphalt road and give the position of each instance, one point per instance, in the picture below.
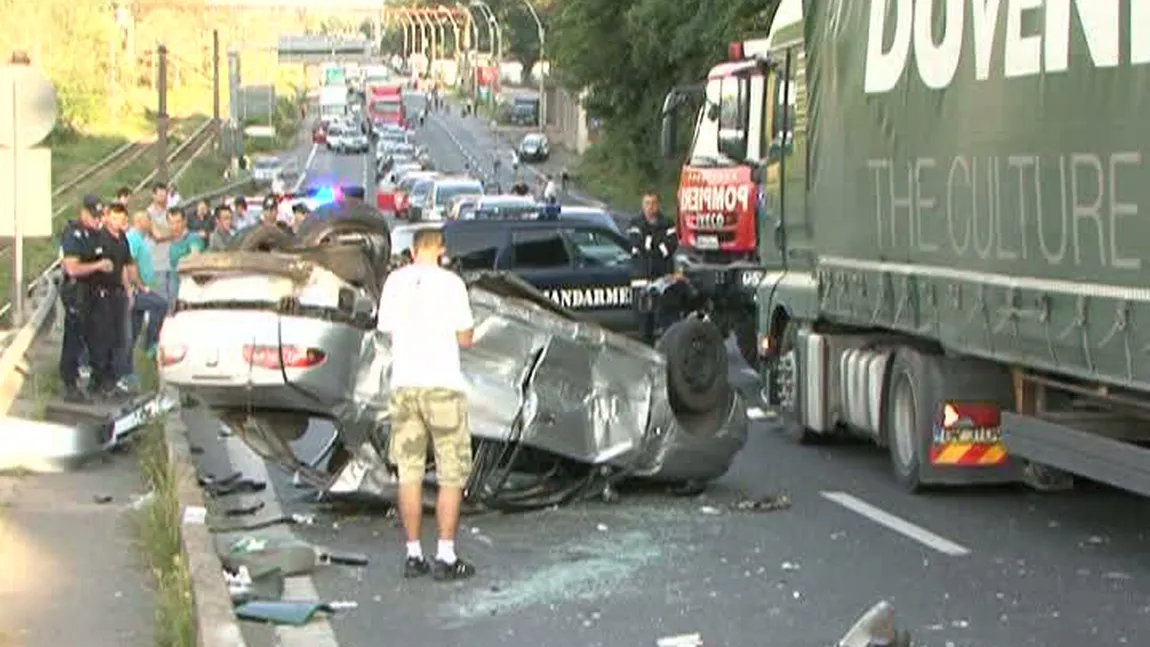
{"points": [[981, 568]]}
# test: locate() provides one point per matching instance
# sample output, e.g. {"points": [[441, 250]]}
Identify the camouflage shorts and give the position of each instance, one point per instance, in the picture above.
{"points": [[438, 414]]}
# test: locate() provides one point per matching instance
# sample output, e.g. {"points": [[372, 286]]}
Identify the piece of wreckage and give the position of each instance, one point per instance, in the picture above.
{"points": [[282, 329]]}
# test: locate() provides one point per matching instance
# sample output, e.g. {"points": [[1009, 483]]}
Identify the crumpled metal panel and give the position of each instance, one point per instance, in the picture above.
{"points": [[569, 388]]}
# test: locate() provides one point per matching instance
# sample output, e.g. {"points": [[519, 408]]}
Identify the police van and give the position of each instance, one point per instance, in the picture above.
{"points": [[579, 264]]}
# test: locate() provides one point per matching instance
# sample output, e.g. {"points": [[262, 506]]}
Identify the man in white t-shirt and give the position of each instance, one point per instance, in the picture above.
{"points": [[426, 312]]}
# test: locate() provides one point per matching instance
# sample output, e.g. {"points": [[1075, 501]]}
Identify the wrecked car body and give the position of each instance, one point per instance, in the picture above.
{"points": [[560, 408]]}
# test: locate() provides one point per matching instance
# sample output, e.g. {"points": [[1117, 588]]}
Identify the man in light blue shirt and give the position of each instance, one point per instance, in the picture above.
{"points": [[148, 307]]}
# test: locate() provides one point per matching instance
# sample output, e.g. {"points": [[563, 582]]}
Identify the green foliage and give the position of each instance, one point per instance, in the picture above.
{"points": [[628, 53]]}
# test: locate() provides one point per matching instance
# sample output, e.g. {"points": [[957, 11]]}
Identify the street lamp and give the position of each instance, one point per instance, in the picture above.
{"points": [[542, 89], [408, 26], [492, 26], [443, 12]]}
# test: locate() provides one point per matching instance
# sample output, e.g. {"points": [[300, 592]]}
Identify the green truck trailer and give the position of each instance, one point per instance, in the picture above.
{"points": [[953, 244]]}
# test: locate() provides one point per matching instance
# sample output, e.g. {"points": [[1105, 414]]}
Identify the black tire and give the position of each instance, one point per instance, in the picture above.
{"points": [[789, 420], [262, 238], [913, 388], [696, 365]]}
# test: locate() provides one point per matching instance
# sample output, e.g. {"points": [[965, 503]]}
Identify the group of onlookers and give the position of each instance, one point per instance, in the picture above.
{"points": [[120, 277]]}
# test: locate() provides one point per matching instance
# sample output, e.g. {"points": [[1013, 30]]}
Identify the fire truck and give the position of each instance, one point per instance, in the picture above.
{"points": [[720, 199], [385, 104]]}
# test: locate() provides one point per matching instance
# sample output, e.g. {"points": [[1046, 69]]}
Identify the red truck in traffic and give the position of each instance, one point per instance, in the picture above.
{"points": [[385, 104]]}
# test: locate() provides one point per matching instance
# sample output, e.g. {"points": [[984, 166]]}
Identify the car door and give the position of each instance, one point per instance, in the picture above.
{"points": [[540, 256], [545, 258], [602, 260]]}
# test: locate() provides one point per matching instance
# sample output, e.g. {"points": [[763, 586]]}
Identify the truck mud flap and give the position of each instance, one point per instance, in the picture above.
{"points": [[1121, 464]]}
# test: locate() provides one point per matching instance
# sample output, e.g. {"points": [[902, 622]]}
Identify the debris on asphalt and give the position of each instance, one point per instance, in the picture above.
{"points": [[291, 557], [102, 499], [770, 503], [240, 486], [601, 527], [212, 480], [291, 520], [244, 510], [790, 566], [682, 640], [708, 509], [280, 612]]}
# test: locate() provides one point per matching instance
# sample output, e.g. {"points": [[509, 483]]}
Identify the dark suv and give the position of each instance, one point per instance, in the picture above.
{"points": [[582, 266]]}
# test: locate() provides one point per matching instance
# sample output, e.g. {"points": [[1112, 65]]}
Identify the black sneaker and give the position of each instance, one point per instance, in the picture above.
{"points": [[457, 570], [415, 567], [74, 395]]}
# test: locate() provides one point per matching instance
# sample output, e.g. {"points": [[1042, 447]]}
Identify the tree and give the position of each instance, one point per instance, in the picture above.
{"points": [[628, 53]]}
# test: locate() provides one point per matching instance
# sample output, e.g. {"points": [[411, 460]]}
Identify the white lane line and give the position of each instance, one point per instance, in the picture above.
{"points": [[897, 524], [306, 166], [318, 632]]}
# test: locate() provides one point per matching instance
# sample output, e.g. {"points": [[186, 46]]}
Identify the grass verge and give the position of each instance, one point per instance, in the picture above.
{"points": [[159, 541], [159, 529]]}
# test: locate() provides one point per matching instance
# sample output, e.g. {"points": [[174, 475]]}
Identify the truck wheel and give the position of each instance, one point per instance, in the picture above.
{"points": [[696, 365], [262, 238], [784, 379], [911, 395]]}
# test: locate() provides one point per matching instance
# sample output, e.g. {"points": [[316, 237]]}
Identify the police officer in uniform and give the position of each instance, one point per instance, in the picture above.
{"points": [[79, 264], [108, 297], [653, 243]]}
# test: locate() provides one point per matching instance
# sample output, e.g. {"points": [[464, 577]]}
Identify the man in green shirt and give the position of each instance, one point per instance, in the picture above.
{"points": [[184, 244]]}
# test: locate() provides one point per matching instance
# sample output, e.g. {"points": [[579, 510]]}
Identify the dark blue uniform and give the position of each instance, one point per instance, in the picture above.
{"points": [[653, 246], [109, 308], [75, 242]]}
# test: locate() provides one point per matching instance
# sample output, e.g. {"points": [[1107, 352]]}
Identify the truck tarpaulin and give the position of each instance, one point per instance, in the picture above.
{"points": [[988, 147]]}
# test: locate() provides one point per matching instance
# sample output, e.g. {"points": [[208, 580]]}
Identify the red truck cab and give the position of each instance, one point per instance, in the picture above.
{"points": [[385, 104]]}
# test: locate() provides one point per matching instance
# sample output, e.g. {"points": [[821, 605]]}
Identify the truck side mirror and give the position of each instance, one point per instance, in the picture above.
{"points": [[669, 134]]}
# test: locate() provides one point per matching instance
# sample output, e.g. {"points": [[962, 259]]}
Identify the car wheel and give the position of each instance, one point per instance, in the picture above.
{"points": [[262, 238], [696, 365], [317, 232]]}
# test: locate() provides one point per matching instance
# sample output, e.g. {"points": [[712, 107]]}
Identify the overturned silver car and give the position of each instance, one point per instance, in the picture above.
{"points": [[559, 408]]}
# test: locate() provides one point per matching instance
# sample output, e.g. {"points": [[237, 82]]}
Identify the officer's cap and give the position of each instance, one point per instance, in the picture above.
{"points": [[93, 205]]}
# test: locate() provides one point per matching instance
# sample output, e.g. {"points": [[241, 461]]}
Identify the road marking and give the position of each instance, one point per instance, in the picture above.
{"points": [[897, 524], [306, 165], [318, 632]]}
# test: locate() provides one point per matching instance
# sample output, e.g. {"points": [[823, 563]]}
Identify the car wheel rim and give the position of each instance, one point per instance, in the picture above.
{"points": [[904, 415]]}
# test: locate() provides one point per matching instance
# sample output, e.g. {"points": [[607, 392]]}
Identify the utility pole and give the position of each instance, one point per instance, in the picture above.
{"points": [[162, 116], [216, 82], [234, 99]]}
